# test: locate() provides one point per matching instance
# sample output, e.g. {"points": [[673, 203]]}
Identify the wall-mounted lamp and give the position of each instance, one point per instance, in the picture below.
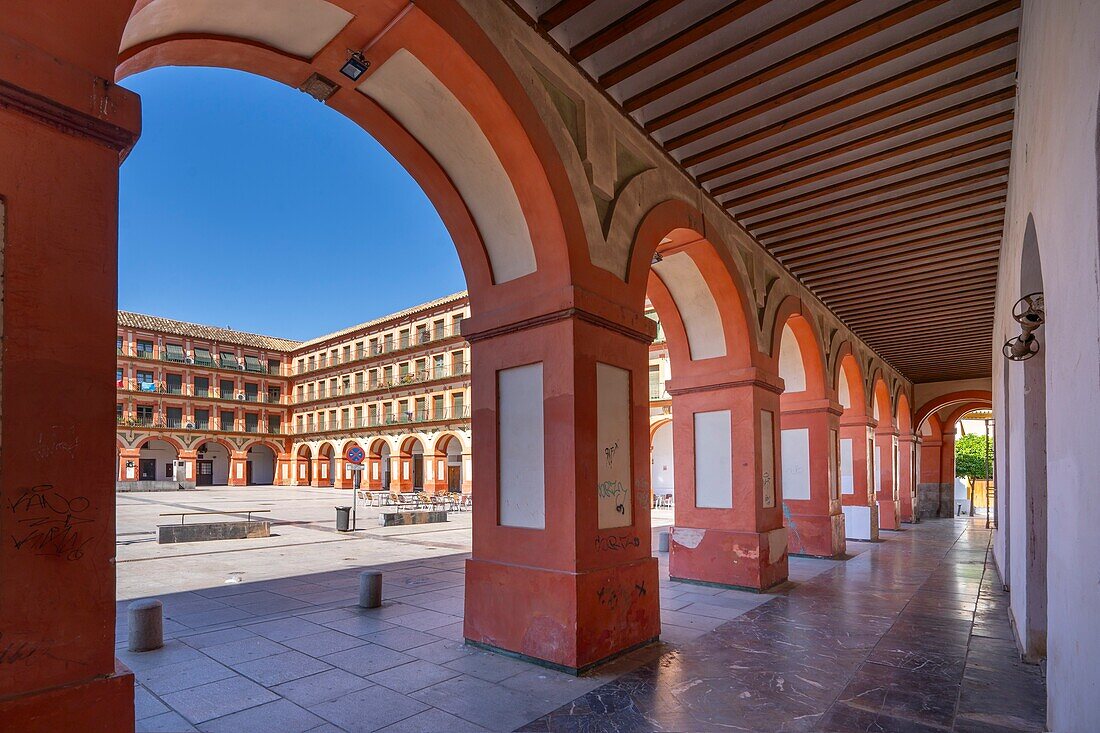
{"points": [[1030, 314], [355, 66]]}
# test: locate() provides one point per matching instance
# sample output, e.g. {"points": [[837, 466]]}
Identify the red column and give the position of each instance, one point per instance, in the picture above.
{"points": [[61, 132], [319, 473], [947, 476], [561, 568], [372, 475], [889, 505], [190, 457], [238, 468], [815, 524], [343, 478], [467, 470], [857, 436], [401, 474], [283, 465], [907, 479], [728, 517]]}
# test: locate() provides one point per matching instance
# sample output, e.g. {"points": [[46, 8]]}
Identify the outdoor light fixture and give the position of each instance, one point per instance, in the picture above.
{"points": [[1030, 314], [355, 66]]}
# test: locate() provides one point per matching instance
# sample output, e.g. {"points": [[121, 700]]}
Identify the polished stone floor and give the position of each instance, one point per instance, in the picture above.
{"points": [[909, 635]]}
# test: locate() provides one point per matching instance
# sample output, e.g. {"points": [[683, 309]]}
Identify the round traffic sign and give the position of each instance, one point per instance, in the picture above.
{"points": [[356, 454]]}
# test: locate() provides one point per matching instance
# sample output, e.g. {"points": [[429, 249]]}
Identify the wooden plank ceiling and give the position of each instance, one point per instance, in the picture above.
{"points": [[864, 143]]}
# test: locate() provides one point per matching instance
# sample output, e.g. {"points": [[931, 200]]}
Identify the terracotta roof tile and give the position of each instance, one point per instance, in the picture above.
{"points": [[140, 321]]}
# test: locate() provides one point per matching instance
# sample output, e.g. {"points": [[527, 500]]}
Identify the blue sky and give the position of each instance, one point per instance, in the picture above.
{"points": [[249, 204]]}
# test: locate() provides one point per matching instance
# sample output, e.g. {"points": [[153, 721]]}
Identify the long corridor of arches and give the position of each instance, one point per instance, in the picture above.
{"points": [[803, 254]]}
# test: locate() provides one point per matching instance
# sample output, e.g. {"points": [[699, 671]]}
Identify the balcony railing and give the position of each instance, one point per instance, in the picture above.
{"points": [[423, 376], [189, 390], [209, 425], [447, 414], [379, 349], [210, 362]]}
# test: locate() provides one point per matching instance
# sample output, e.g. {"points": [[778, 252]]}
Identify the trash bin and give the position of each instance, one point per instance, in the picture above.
{"points": [[343, 518]]}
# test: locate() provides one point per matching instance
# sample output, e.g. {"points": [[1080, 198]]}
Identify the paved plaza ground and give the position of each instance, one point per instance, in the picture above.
{"points": [[265, 635]]}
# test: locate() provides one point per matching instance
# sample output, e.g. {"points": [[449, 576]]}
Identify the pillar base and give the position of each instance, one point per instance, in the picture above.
{"points": [[747, 560], [571, 621], [98, 705], [816, 535]]}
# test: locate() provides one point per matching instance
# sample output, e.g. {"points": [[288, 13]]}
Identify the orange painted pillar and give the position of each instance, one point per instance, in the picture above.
{"points": [[343, 478], [372, 475], [561, 568], [467, 471], [238, 468], [128, 464], [190, 457], [319, 473], [907, 479], [283, 465], [401, 474], [811, 490], [857, 477], [886, 467], [728, 522], [62, 129]]}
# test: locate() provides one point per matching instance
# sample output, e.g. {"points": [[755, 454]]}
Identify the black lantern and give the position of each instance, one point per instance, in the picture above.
{"points": [[355, 66]]}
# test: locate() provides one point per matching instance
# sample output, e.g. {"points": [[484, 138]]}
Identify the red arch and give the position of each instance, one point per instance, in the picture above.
{"points": [[934, 404], [958, 413], [904, 419], [810, 345], [848, 369], [166, 438], [880, 393]]}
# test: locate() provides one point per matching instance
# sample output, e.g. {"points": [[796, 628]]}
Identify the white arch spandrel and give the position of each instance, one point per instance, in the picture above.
{"points": [[695, 304], [791, 367]]}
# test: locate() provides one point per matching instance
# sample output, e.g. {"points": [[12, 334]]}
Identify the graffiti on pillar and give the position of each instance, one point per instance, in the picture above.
{"points": [[613, 404], [767, 458], [617, 542], [50, 524], [12, 652]]}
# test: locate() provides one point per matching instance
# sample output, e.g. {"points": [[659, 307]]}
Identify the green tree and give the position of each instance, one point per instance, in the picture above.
{"points": [[973, 461]]}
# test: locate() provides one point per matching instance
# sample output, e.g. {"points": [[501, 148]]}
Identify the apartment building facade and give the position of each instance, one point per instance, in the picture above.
{"points": [[207, 405]]}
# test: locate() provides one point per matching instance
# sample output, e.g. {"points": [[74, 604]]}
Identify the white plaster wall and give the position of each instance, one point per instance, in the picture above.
{"points": [[663, 460], [695, 304], [521, 452], [791, 368], [1054, 178], [795, 454], [263, 466], [927, 391], [847, 467], [163, 453], [713, 460]]}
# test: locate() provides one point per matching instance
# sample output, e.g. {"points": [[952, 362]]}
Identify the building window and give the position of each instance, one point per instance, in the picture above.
{"points": [[274, 424], [359, 350], [358, 417], [655, 381], [437, 407], [174, 352], [251, 392], [345, 416], [422, 335], [252, 364], [118, 413], [202, 387], [173, 383], [403, 371], [118, 345], [458, 362], [225, 387], [118, 379], [274, 395], [458, 407], [387, 343], [202, 419], [145, 349], [228, 420], [144, 415], [321, 389], [251, 422], [173, 417], [456, 325], [347, 354], [273, 366], [301, 366], [312, 363], [403, 338], [145, 381], [300, 422], [203, 357], [438, 370], [227, 360], [439, 327], [359, 381]]}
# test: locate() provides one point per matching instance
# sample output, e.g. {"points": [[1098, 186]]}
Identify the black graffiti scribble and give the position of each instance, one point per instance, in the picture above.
{"points": [[609, 453], [640, 587], [621, 509], [608, 597], [13, 652], [49, 523], [617, 542]]}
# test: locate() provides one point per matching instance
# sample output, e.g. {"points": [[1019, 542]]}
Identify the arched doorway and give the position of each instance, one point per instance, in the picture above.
{"points": [[885, 456], [303, 475], [412, 465], [212, 464], [261, 465], [324, 472], [662, 472], [857, 468], [449, 474], [156, 459]]}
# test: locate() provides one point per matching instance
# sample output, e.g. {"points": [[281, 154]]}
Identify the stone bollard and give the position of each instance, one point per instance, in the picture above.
{"points": [[662, 542], [370, 589], [146, 621]]}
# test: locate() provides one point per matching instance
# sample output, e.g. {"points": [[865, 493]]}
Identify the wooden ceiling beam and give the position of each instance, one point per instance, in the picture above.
{"points": [[839, 101], [874, 176], [881, 275], [717, 20], [948, 292], [998, 157], [811, 258], [915, 146], [622, 27], [875, 210], [975, 104], [561, 12], [911, 224], [732, 54], [854, 123]]}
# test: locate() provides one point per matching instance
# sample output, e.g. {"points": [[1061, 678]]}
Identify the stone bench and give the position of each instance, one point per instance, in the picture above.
{"points": [[232, 529], [408, 517]]}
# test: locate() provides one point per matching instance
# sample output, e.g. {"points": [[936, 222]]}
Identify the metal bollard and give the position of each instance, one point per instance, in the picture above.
{"points": [[146, 622], [662, 542], [370, 589]]}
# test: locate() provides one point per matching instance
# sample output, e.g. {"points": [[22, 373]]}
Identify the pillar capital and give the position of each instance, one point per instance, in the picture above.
{"points": [[858, 421], [793, 404], [728, 379]]}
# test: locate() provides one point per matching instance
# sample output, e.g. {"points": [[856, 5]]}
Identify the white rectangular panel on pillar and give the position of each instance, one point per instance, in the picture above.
{"points": [[613, 447], [767, 457], [847, 468], [795, 457], [713, 460], [521, 447], [834, 451]]}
